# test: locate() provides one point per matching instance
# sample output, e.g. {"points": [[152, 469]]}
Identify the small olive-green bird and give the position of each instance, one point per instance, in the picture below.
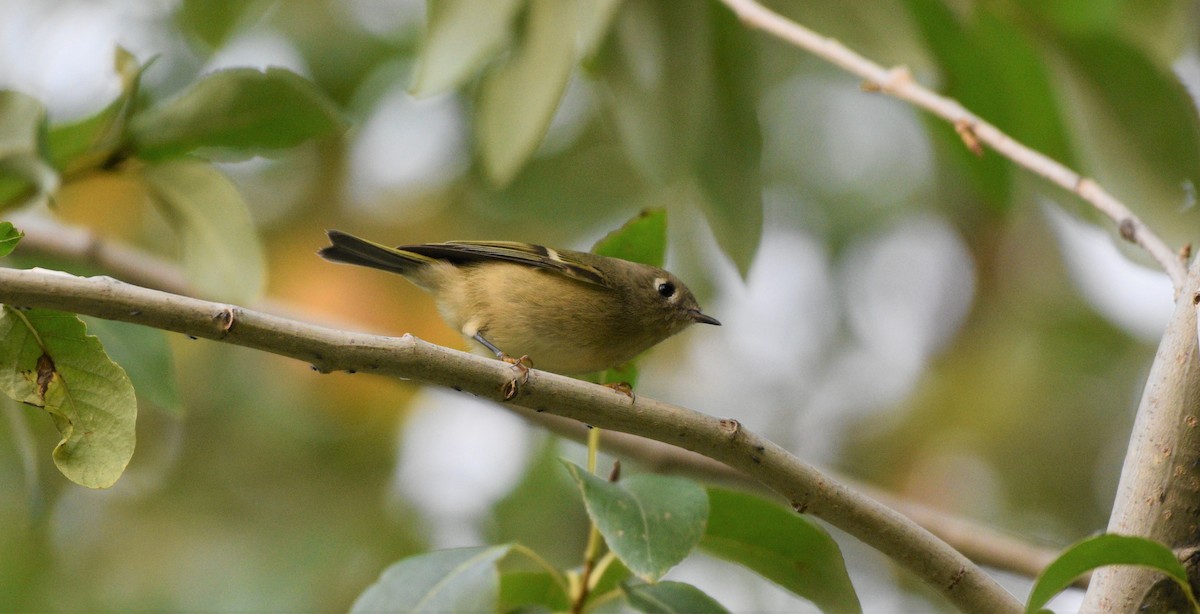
{"points": [[569, 312]]}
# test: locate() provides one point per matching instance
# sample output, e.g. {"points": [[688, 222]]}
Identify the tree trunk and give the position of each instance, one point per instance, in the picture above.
{"points": [[1159, 492]]}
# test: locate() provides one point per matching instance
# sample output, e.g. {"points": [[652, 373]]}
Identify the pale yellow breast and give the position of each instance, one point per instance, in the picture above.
{"points": [[563, 325]]}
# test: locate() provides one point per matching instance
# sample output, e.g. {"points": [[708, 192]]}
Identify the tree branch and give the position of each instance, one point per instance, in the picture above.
{"points": [[898, 83], [1159, 491], [808, 490], [49, 238], [982, 544]]}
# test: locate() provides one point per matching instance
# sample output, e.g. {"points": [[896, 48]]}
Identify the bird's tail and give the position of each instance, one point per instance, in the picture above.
{"points": [[349, 249]]}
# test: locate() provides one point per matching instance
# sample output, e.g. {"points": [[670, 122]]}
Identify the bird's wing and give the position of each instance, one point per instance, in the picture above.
{"points": [[526, 254]]}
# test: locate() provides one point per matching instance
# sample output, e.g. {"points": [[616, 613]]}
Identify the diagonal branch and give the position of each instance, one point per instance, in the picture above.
{"points": [[980, 543], [975, 132], [809, 491]]}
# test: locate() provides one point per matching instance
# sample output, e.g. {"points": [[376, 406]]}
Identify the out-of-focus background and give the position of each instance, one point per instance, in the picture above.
{"points": [[942, 326]]}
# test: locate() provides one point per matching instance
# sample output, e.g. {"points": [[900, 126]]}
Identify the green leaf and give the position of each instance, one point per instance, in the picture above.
{"points": [[458, 580], [1138, 126], [221, 251], [214, 21], [1075, 15], [1101, 551], [9, 237], [524, 589], [779, 545], [684, 84], [651, 522], [642, 239], [47, 359], [21, 117], [595, 20], [461, 36], [657, 69], [517, 100], [1156, 113], [235, 114], [91, 141], [729, 172], [23, 172], [146, 357], [672, 598], [86, 142]]}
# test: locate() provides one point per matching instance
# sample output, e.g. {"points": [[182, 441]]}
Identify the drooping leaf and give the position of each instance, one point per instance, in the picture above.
{"points": [[146, 357], [517, 100], [657, 68], [235, 114], [9, 237], [1101, 551], [651, 522], [89, 142], [672, 598], [460, 37], [729, 167], [1138, 125], [47, 359], [220, 249], [779, 545], [642, 239], [683, 79], [523, 590], [23, 172], [457, 580]]}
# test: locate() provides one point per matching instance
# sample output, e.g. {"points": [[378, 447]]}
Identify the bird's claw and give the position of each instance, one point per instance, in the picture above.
{"points": [[522, 365], [621, 387]]}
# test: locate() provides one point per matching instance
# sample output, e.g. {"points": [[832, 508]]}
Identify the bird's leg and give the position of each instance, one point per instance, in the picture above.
{"points": [[522, 365]]}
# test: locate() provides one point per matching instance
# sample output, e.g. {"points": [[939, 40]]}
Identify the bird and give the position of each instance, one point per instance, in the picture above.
{"points": [[572, 313]]}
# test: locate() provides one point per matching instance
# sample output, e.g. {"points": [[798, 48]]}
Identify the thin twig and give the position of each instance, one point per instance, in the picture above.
{"points": [[899, 83], [945, 569]]}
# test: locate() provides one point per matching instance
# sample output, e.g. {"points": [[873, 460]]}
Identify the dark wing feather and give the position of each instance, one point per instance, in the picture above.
{"points": [[461, 252]]}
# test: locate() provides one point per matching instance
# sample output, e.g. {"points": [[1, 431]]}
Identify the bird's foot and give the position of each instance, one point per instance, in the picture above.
{"points": [[621, 387], [522, 366]]}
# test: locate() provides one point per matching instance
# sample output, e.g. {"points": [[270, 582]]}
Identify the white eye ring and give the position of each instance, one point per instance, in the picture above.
{"points": [[665, 288]]}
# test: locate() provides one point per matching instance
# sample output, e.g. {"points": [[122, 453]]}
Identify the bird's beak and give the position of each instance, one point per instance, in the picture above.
{"points": [[700, 318]]}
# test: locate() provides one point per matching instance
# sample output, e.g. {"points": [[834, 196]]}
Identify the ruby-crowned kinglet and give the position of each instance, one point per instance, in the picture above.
{"points": [[569, 312]]}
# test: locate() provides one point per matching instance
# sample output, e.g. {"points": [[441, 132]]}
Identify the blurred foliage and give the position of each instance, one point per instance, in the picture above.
{"points": [[275, 489]]}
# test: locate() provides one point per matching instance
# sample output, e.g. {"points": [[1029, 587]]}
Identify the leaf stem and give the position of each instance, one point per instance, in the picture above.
{"points": [[594, 539], [541, 562]]}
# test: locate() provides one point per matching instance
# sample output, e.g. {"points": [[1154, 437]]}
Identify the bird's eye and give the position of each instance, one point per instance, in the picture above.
{"points": [[666, 289]]}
